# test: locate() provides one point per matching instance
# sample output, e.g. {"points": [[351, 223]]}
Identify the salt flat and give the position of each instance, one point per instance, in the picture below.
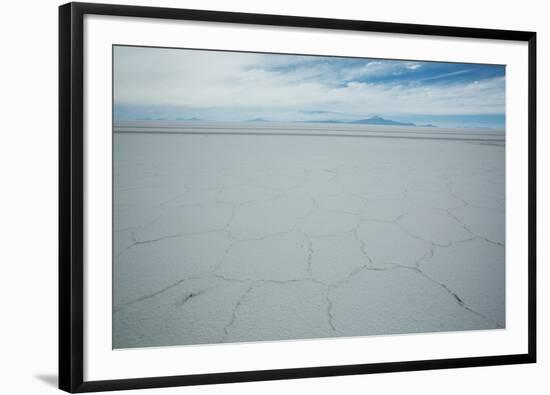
{"points": [[231, 236]]}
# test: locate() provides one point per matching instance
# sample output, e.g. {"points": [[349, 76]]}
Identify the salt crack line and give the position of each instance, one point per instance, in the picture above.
{"points": [[234, 312], [476, 235], [330, 306], [455, 296], [153, 294], [310, 255]]}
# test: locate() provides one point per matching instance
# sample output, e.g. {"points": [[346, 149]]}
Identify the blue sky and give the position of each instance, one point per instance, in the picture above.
{"points": [[154, 83]]}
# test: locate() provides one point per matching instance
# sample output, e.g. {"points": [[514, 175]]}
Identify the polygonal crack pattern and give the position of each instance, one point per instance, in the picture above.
{"points": [[222, 240]]}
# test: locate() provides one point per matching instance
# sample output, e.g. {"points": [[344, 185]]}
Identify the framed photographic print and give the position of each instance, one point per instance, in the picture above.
{"points": [[253, 197]]}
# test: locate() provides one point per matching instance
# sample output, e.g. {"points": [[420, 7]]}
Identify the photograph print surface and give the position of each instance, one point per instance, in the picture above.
{"points": [[265, 197]]}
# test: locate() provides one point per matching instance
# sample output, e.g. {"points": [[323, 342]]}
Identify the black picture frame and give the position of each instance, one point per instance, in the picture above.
{"points": [[71, 195]]}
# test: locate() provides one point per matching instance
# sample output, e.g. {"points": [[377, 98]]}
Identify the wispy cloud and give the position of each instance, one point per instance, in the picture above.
{"points": [[230, 85], [436, 77]]}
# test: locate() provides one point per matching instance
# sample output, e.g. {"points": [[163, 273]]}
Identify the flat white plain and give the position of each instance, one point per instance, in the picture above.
{"points": [[270, 235]]}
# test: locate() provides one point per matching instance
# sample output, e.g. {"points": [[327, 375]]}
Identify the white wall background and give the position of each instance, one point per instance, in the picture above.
{"points": [[28, 175]]}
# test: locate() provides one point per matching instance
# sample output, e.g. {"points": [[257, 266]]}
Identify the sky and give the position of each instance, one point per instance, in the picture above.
{"points": [[163, 83]]}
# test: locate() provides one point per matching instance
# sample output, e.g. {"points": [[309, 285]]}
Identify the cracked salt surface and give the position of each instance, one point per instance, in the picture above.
{"points": [[257, 238], [333, 258], [385, 244], [255, 259]]}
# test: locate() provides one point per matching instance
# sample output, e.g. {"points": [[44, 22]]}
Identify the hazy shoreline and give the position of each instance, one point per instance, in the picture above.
{"points": [[305, 129]]}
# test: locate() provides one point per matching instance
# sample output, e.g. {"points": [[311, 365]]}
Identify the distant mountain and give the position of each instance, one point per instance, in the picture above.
{"points": [[319, 112], [376, 120], [257, 120], [325, 121], [478, 127], [189, 119]]}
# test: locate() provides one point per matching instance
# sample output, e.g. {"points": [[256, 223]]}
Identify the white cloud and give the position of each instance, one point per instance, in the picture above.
{"points": [[241, 81]]}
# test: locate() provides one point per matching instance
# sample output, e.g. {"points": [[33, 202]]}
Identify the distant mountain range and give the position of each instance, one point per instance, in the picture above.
{"points": [[376, 120]]}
